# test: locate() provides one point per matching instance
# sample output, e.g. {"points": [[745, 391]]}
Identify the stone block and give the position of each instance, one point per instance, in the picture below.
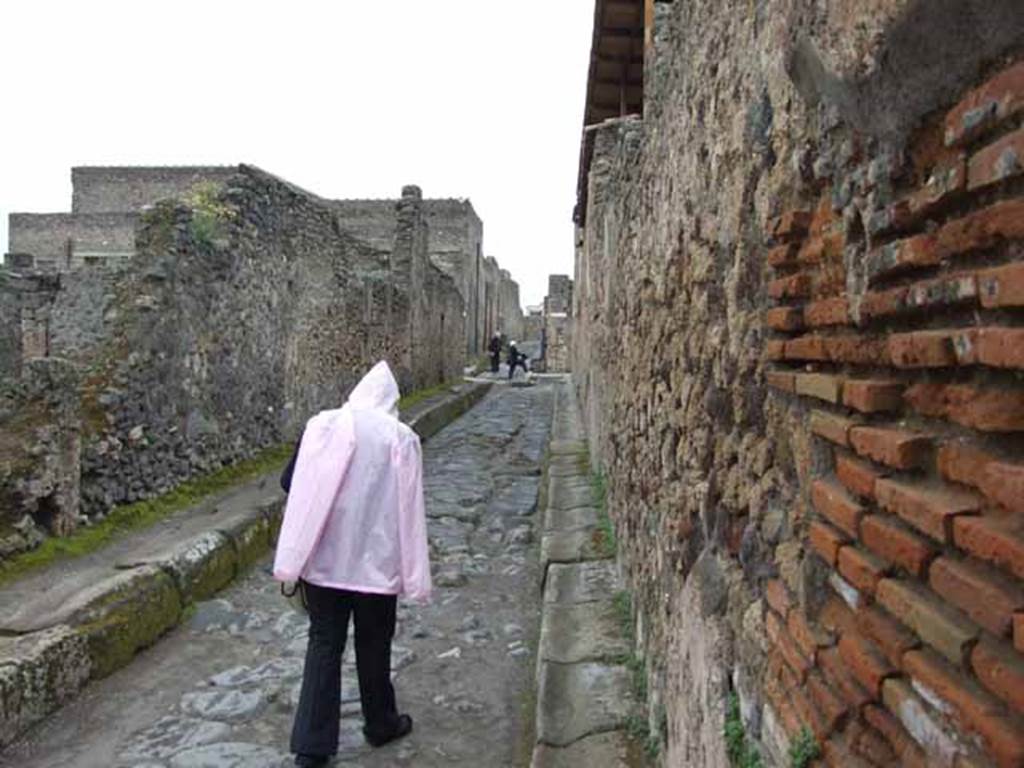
{"points": [[577, 700], [589, 631], [570, 519], [566, 493], [569, 546], [135, 608], [581, 582], [39, 672], [203, 565]]}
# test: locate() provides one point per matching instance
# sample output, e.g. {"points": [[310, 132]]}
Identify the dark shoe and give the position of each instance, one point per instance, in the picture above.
{"points": [[403, 728], [311, 761]]}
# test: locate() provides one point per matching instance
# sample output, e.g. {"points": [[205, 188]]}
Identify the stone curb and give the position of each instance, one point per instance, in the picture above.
{"points": [[583, 689], [131, 610]]}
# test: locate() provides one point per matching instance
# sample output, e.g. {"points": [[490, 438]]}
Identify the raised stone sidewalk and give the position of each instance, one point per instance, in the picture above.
{"points": [[79, 620], [583, 686]]}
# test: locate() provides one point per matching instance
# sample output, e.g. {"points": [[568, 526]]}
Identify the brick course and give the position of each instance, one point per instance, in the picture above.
{"points": [[894, 447]]}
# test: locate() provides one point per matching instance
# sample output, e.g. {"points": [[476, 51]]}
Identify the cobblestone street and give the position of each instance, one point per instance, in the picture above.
{"points": [[220, 691]]}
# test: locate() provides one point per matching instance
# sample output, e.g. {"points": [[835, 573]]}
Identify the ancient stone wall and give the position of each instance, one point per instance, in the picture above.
{"points": [[372, 221], [454, 244], [40, 446], [798, 347], [559, 298], [97, 189], [510, 311], [25, 301], [64, 241], [233, 324]]}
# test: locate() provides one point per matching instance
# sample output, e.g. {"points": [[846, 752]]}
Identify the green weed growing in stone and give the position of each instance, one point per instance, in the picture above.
{"points": [[414, 398], [605, 539], [623, 604], [637, 727], [208, 212], [804, 749], [741, 753]]}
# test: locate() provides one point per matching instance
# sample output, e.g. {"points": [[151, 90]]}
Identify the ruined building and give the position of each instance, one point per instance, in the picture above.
{"points": [[146, 340], [557, 329], [798, 342]]}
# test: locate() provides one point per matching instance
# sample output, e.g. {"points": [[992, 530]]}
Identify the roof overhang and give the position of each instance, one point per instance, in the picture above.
{"points": [[615, 85]]}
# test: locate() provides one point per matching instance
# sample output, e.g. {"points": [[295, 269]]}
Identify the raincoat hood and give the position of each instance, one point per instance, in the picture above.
{"points": [[378, 391], [355, 517]]}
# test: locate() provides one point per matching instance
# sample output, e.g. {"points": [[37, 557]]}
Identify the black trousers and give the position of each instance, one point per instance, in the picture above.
{"points": [[316, 727]]}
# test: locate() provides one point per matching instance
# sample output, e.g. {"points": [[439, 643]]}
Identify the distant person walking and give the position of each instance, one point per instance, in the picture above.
{"points": [[494, 347], [354, 537], [515, 358]]}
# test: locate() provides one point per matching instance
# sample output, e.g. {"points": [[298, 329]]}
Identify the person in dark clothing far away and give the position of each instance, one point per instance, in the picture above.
{"points": [[515, 358], [494, 347], [354, 537]]}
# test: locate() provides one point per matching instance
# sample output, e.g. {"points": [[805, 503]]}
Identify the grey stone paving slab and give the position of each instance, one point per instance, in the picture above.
{"points": [[581, 582], [570, 519], [569, 546], [229, 705], [611, 749], [575, 700], [581, 632], [171, 735]]}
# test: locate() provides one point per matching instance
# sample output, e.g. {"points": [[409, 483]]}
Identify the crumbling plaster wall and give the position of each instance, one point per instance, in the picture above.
{"points": [[836, 111]]}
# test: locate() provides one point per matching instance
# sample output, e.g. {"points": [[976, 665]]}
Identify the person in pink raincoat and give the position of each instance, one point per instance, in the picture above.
{"points": [[354, 537]]}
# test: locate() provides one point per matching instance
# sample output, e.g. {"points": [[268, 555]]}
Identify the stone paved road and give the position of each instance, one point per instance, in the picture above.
{"points": [[219, 692]]}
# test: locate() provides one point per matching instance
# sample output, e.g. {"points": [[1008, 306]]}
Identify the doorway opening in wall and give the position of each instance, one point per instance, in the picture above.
{"points": [[47, 514]]}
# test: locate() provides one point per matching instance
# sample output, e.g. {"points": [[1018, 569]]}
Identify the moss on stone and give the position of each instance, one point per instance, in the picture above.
{"points": [[206, 569], [124, 622], [142, 514], [250, 542]]}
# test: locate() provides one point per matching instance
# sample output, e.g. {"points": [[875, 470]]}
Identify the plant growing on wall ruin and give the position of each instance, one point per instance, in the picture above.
{"points": [[804, 749], [209, 213], [742, 754]]}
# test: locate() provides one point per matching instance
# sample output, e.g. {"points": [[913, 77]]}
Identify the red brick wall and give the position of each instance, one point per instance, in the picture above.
{"points": [[910, 364]]}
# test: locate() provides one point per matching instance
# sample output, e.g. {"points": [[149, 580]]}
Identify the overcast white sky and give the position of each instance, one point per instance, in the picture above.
{"points": [[347, 98]]}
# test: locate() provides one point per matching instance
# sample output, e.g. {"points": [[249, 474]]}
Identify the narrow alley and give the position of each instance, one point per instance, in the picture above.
{"points": [[221, 689]]}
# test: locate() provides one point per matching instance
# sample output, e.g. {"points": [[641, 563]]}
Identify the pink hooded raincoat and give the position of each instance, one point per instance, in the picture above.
{"points": [[355, 517]]}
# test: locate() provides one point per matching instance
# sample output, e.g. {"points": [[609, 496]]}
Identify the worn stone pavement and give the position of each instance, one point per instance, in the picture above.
{"points": [[219, 692]]}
